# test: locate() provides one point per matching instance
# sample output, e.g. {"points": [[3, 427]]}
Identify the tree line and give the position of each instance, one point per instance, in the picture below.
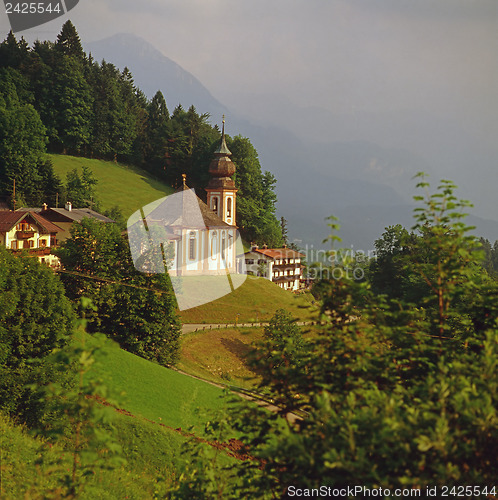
{"points": [[55, 98]]}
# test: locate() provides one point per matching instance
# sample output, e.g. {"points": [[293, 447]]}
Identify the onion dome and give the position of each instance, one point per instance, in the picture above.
{"points": [[221, 167]]}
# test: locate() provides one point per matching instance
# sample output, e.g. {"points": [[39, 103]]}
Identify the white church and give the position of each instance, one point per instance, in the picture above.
{"points": [[195, 238]]}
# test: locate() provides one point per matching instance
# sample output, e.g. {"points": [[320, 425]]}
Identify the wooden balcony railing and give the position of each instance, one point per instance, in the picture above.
{"points": [[24, 235]]}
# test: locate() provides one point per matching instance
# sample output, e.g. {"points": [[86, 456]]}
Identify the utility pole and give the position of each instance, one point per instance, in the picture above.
{"points": [[14, 195], [57, 200]]}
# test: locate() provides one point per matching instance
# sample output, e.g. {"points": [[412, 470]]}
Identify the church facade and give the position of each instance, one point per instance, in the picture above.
{"points": [[196, 238]]}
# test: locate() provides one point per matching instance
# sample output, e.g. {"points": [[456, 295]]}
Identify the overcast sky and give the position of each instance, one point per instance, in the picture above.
{"points": [[438, 57], [341, 54]]}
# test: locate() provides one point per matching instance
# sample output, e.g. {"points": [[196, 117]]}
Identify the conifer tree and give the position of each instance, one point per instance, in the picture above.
{"points": [[68, 42]]}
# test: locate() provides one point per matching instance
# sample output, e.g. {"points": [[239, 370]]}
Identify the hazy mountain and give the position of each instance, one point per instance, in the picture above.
{"points": [[153, 71], [319, 171]]}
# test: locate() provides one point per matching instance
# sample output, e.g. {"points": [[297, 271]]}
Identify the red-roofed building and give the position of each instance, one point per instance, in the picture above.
{"points": [[280, 265], [29, 231]]}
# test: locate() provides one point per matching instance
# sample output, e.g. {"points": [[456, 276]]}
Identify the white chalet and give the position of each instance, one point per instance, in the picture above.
{"points": [[280, 265]]}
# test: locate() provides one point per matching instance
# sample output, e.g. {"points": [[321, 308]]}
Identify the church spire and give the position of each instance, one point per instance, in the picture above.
{"points": [[221, 187], [222, 148]]}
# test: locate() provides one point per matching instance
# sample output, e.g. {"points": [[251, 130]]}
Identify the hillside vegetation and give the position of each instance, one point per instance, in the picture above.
{"points": [[256, 300], [153, 391], [126, 187], [220, 355], [159, 411]]}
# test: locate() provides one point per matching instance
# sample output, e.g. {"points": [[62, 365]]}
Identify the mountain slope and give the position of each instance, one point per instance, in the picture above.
{"points": [[153, 71], [128, 188]]}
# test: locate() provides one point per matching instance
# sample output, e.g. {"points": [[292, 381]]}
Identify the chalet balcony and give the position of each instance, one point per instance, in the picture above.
{"points": [[34, 252], [287, 265], [24, 235]]}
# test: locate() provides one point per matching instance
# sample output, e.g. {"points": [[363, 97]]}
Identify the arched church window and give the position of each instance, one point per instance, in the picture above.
{"points": [[214, 245], [229, 207], [191, 247], [223, 245], [214, 203]]}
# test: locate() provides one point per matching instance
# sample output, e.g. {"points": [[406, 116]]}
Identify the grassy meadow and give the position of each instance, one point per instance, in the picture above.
{"points": [[158, 409], [152, 453], [154, 392], [256, 300], [126, 187], [220, 355]]}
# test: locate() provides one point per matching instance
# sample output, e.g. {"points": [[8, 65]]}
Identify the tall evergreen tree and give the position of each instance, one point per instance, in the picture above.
{"points": [[68, 42], [72, 101], [22, 144], [13, 52], [157, 134]]}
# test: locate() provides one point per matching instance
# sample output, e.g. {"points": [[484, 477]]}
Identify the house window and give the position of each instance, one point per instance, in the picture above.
{"points": [[229, 207], [192, 242], [249, 261], [43, 243], [13, 245], [261, 261], [22, 226]]}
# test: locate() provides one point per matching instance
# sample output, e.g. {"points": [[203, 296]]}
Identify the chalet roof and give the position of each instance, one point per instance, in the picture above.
{"points": [[10, 219], [75, 214], [184, 209], [279, 253]]}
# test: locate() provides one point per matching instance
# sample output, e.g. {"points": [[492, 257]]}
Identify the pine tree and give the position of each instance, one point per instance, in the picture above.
{"points": [[68, 42]]}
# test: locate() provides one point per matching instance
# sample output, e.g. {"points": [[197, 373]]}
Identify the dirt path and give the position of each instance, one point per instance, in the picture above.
{"points": [[291, 417]]}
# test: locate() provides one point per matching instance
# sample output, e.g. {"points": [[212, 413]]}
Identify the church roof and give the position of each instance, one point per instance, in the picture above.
{"points": [[184, 209], [222, 149]]}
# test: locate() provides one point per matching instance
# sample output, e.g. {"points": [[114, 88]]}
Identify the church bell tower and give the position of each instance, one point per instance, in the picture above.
{"points": [[221, 191]]}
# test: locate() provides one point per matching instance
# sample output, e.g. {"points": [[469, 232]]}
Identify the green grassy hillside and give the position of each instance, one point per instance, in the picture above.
{"points": [[120, 185], [256, 300], [155, 392], [159, 407], [151, 452], [220, 355]]}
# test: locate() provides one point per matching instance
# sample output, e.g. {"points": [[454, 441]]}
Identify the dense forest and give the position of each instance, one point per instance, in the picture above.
{"points": [[55, 98]]}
